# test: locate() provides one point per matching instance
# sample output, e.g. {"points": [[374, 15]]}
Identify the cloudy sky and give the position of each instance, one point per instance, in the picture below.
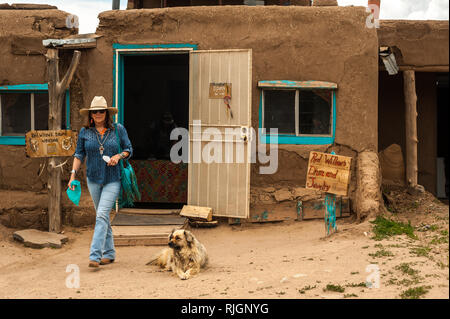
{"points": [[87, 10]]}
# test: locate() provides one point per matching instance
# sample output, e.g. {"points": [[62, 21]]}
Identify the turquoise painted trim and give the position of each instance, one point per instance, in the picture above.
{"points": [[25, 87], [312, 84], [12, 140], [296, 140], [152, 46], [121, 77]]}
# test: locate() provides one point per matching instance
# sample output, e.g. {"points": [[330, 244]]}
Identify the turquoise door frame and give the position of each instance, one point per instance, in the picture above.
{"points": [[122, 50]]}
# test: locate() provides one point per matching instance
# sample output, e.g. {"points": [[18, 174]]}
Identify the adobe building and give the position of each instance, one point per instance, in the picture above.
{"points": [[313, 71]]}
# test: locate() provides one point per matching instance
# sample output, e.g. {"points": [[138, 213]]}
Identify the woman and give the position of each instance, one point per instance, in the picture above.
{"points": [[97, 139]]}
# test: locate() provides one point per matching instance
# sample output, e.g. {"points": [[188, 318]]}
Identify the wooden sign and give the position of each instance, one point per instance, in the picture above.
{"points": [[328, 173], [51, 143], [219, 90]]}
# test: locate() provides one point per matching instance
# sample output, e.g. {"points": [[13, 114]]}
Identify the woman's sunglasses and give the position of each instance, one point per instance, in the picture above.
{"points": [[98, 111]]}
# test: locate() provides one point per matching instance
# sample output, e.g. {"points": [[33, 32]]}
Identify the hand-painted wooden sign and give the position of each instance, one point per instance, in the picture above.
{"points": [[328, 172], [51, 143], [219, 90]]}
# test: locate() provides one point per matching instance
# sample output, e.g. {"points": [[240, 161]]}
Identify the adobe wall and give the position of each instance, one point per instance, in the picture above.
{"points": [[288, 43], [22, 62], [422, 43]]}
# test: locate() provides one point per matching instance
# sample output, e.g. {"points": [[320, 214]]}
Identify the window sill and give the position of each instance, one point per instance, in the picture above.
{"points": [[296, 140], [12, 140]]}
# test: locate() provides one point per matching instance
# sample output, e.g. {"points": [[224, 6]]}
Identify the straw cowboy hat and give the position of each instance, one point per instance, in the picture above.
{"points": [[99, 103]]}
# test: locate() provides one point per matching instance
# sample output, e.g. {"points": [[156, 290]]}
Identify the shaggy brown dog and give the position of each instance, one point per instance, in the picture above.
{"points": [[185, 256]]}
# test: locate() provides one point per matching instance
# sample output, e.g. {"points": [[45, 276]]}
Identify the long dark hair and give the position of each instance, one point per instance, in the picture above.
{"points": [[108, 121]]}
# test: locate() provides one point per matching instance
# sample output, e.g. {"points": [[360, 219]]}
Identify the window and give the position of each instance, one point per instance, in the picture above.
{"points": [[24, 108], [302, 111]]}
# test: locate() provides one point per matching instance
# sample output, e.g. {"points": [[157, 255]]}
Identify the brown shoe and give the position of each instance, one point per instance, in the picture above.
{"points": [[106, 261], [93, 264]]}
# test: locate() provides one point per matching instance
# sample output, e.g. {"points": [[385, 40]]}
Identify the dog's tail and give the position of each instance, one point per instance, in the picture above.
{"points": [[153, 261], [159, 259]]}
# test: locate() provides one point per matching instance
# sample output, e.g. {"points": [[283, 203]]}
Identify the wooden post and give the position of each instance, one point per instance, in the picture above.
{"points": [[409, 84], [56, 94]]}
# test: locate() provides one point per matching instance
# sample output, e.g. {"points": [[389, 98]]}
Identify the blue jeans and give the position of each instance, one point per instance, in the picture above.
{"points": [[104, 197]]}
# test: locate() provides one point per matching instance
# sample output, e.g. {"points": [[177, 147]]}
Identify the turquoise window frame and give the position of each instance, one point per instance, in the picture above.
{"points": [[29, 88], [267, 138], [122, 50]]}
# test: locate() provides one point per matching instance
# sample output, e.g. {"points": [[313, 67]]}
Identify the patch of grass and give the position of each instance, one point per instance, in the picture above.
{"points": [[384, 228], [439, 240], [350, 295], [361, 284], [304, 289], [365, 247], [382, 253], [404, 282], [336, 288], [420, 251], [415, 293], [406, 269]]}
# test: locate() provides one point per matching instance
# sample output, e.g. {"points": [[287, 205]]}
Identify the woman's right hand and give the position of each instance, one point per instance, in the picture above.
{"points": [[72, 178]]}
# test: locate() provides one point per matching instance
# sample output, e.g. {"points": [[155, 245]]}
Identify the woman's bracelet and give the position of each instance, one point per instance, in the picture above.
{"points": [[73, 172]]}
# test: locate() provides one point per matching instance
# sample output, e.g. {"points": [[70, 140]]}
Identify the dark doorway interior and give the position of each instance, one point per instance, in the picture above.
{"points": [[156, 100], [442, 136]]}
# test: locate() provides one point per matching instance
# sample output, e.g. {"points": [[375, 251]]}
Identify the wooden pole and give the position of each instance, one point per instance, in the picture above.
{"points": [[56, 94], [409, 85]]}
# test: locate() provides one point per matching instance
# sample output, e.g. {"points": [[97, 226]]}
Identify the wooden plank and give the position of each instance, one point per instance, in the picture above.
{"points": [[199, 212], [297, 84], [50, 143], [128, 231], [149, 211], [145, 241], [328, 172]]}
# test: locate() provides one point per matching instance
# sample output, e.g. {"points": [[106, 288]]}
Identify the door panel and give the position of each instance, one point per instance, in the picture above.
{"points": [[223, 185]]}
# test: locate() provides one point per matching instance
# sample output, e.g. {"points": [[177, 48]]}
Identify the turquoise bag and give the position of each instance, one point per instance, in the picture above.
{"points": [[74, 195], [129, 191]]}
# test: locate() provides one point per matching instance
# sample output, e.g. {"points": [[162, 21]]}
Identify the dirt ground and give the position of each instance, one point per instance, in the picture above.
{"points": [[277, 260]]}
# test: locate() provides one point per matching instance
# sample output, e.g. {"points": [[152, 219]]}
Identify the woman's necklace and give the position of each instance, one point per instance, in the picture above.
{"points": [[101, 148]]}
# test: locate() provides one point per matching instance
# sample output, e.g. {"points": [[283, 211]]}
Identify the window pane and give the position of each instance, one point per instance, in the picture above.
{"points": [[15, 113], [41, 111], [315, 112], [279, 110]]}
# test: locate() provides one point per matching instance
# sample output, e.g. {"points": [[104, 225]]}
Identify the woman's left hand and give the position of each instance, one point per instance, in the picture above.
{"points": [[114, 160]]}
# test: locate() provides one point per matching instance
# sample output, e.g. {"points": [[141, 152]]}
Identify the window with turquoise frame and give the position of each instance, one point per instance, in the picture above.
{"points": [[302, 112], [24, 108]]}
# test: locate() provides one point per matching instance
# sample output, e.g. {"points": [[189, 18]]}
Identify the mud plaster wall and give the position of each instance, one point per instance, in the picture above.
{"points": [[342, 50], [422, 43], [27, 28], [392, 121]]}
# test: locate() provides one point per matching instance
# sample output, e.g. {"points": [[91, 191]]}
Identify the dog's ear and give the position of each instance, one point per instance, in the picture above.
{"points": [[189, 237], [171, 234]]}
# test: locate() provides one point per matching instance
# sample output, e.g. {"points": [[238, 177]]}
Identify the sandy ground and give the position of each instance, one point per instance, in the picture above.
{"points": [[283, 260]]}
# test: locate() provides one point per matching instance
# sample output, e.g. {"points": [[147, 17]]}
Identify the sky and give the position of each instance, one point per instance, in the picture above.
{"points": [[88, 10]]}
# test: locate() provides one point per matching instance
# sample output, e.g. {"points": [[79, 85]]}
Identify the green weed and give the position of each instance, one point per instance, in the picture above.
{"points": [[304, 289], [406, 269], [420, 251], [336, 288], [385, 228], [415, 293]]}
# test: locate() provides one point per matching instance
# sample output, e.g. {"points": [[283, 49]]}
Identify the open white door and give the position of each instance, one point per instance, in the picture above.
{"points": [[220, 180]]}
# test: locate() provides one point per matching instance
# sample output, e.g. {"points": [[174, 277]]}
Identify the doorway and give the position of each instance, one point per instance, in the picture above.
{"points": [[155, 101], [443, 160]]}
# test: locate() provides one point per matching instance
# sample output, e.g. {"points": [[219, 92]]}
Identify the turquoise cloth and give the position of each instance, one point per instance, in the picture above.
{"points": [[74, 195]]}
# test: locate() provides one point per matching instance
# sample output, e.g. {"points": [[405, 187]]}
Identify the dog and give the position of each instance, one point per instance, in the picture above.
{"points": [[185, 255]]}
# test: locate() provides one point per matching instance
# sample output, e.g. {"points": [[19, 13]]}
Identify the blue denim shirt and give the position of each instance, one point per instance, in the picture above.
{"points": [[88, 146]]}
